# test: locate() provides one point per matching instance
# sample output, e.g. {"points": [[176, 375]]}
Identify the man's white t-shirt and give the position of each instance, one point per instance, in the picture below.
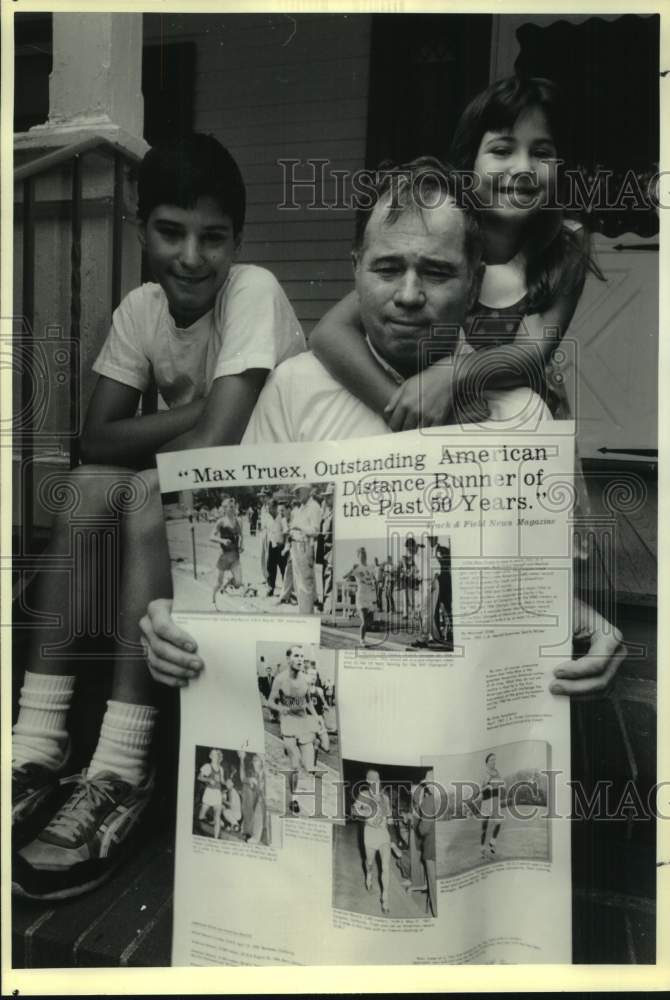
{"points": [[301, 401], [252, 325]]}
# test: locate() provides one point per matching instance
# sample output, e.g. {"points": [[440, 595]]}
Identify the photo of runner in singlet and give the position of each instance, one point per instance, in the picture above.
{"points": [[373, 807], [384, 853], [227, 534], [365, 578], [391, 593], [490, 800], [296, 688], [252, 549], [298, 721], [230, 800], [496, 816], [212, 776]]}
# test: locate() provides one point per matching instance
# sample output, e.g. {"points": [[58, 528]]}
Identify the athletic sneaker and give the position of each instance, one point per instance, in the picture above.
{"points": [[34, 793], [86, 839]]}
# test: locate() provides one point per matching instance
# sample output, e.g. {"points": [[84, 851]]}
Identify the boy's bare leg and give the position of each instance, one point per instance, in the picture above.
{"points": [[115, 791], [96, 502], [127, 728], [90, 499], [146, 576]]}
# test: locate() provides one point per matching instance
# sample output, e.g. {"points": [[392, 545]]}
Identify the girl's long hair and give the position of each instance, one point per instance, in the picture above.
{"points": [[558, 258]]}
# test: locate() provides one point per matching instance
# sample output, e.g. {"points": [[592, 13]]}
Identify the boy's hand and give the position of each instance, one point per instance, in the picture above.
{"points": [[168, 649], [592, 673]]}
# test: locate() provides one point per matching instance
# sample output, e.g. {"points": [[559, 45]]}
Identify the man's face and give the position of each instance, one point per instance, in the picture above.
{"points": [[412, 275], [190, 252], [273, 508], [296, 659]]}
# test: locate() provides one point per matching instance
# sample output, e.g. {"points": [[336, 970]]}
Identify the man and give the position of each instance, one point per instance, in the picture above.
{"points": [[416, 269], [324, 550], [298, 722], [276, 526], [303, 532], [441, 555], [264, 678]]}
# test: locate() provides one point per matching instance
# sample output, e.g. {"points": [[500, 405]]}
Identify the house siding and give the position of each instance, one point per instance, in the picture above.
{"points": [[274, 87]]}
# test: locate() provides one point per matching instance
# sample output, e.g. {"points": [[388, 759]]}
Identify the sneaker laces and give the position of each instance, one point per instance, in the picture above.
{"points": [[79, 811]]}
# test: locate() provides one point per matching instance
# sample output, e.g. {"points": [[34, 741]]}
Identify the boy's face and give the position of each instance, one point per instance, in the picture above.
{"points": [[190, 252]]}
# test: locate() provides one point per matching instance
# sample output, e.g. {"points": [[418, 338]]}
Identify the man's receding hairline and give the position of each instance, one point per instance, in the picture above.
{"points": [[390, 217]]}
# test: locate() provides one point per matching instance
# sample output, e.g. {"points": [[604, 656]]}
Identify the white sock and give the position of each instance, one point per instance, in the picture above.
{"points": [[125, 741], [40, 736]]}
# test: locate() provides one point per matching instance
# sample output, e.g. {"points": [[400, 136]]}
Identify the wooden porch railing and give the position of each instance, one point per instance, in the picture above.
{"points": [[26, 176]]}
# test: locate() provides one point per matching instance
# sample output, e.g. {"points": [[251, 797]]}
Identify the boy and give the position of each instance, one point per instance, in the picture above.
{"points": [[208, 332]]}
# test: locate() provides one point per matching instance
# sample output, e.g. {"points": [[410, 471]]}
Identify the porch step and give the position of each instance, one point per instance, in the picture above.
{"points": [[126, 922]]}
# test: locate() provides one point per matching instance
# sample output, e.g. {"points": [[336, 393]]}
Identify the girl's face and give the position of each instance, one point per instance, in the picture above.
{"points": [[491, 762], [516, 168]]}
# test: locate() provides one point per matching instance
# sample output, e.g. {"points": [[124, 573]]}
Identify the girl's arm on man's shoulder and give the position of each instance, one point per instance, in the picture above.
{"points": [[113, 435], [427, 399]]}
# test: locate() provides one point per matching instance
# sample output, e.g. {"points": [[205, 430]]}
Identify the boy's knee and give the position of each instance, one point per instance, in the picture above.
{"points": [[87, 490], [145, 511]]}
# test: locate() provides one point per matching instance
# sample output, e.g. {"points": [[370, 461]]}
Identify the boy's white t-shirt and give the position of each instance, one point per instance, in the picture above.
{"points": [[252, 325]]}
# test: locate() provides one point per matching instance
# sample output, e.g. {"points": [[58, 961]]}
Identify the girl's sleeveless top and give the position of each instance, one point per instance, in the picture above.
{"points": [[496, 327]]}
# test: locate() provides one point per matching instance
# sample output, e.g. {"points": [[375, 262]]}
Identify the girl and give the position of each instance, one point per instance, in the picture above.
{"points": [[506, 144], [366, 591]]}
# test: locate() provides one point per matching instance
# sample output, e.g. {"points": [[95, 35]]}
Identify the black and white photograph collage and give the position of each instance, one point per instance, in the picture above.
{"points": [[277, 225]]}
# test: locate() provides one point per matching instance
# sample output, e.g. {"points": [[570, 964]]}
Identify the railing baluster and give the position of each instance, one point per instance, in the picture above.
{"points": [[25, 420], [75, 306], [28, 375], [117, 224]]}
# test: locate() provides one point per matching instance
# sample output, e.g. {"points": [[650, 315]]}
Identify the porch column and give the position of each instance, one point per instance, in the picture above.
{"points": [[96, 82]]}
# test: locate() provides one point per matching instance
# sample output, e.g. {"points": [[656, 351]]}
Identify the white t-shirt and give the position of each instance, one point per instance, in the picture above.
{"points": [[277, 529], [301, 401], [252, 325]]}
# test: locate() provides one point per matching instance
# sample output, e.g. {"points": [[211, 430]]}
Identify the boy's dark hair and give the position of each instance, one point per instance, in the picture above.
{"points": [[417, 186], [195, 166]]}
